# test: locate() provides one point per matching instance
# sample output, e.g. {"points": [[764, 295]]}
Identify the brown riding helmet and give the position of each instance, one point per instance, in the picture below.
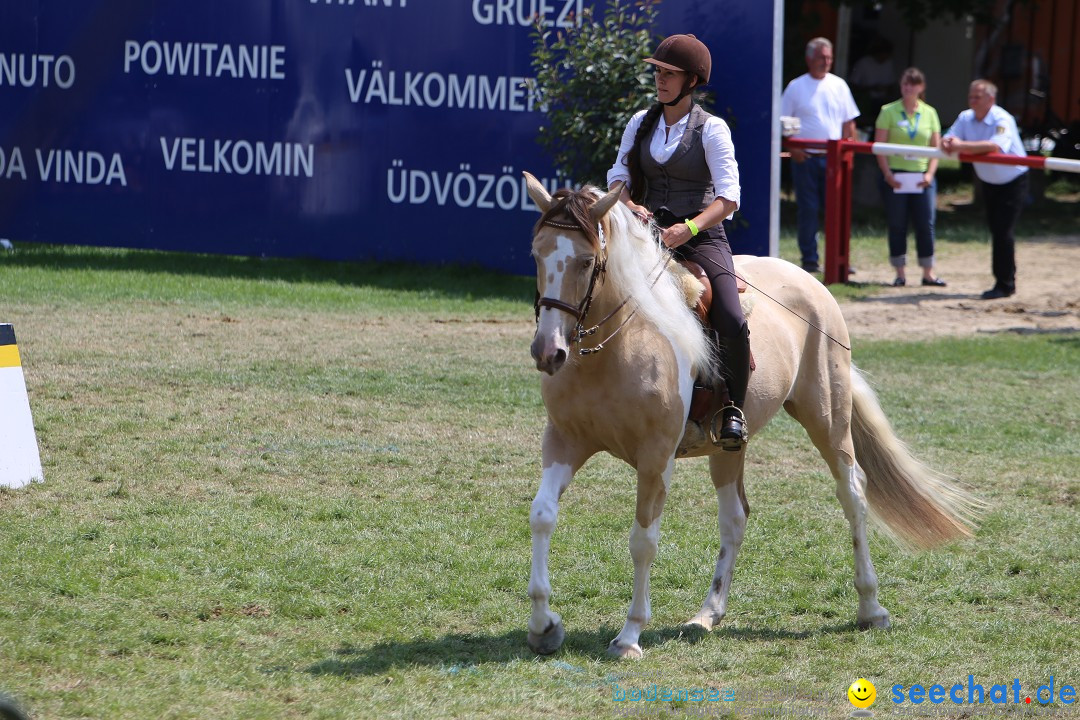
{"points": [[686, 53]]}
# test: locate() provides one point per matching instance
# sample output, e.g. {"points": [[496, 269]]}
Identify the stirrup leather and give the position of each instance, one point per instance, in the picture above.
{"points": [[732, 438]]}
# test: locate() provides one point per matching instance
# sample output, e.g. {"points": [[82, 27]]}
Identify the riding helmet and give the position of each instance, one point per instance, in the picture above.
{"points": [[686, 53]]}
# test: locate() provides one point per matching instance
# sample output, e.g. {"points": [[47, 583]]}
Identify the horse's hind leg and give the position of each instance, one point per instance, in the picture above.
{"points": [[727, 477], [545, 627], [851, 492], [644, 542], [832, 437]]}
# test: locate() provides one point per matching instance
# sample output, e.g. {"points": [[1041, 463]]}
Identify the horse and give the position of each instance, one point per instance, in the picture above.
{"points": [[628, 394]]}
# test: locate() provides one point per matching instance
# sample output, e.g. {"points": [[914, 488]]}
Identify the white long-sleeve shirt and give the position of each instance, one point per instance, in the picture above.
{"points": [[715, 136]]}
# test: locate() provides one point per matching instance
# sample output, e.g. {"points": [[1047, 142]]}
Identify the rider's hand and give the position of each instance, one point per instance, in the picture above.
{"points": [[675, 235], [640, 211]]}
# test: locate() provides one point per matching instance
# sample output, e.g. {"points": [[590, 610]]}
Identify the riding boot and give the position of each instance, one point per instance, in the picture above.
{"points": [[734, 355]]}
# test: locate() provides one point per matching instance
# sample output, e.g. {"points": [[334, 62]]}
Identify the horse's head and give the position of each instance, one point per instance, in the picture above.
{"points": [[570, 251]]}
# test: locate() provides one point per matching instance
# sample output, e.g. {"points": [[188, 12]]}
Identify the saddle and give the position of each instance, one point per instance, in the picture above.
{"points": [[707, 397]]}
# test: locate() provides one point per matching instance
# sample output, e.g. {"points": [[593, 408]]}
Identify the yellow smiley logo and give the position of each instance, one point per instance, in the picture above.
{"points": [[862, 693]]}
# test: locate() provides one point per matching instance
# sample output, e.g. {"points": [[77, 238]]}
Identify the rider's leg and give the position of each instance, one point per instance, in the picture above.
{"points": [[711, 250]]}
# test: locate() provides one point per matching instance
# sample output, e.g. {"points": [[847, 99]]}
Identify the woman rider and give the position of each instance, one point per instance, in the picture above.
{"points": [[678, 165]]}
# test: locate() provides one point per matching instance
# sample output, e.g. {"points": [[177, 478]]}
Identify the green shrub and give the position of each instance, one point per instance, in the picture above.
{"points": [[590, 81]]}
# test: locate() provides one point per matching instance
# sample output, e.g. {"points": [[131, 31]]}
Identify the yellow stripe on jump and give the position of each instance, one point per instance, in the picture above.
{"points": [[9, 356]]}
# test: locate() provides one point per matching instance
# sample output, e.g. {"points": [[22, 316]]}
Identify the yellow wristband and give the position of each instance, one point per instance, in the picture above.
{"points": [[693, 228]]}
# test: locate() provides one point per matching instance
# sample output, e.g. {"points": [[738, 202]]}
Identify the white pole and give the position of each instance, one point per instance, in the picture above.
{"points": [[1062, 164], [880, 148], [1050, 163]]}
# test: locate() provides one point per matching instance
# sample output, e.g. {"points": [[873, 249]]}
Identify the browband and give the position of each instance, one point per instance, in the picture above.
{"points": [[575, 226]]}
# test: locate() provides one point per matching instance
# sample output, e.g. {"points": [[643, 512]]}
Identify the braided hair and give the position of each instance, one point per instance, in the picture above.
{"points": [[638, 183]]}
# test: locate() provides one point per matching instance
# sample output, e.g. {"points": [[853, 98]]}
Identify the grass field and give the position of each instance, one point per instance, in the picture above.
{"points": [[301, 490]]}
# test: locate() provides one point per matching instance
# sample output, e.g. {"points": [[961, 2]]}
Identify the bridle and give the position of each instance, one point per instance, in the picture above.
{"points": [[581, 310]]}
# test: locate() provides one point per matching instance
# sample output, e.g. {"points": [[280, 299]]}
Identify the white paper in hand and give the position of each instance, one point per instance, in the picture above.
{"points": [[909, 182]]}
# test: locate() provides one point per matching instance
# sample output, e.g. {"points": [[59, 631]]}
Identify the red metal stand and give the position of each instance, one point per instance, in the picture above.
{"points": [[838, 167]]}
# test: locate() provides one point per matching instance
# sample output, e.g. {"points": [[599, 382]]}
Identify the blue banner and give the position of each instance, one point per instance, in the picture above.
{"points": [[339, 129]]}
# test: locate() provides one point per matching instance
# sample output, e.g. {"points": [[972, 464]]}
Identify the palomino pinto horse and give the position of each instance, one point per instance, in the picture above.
{"points": [[596, 263]]}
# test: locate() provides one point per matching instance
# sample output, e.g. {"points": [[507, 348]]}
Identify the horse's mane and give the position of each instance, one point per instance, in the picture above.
{"points": [[635, 258], [574, 204]]}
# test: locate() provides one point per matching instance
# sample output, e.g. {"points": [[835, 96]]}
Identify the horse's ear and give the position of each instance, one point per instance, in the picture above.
{"points": [[537, 192], [601, 207]]}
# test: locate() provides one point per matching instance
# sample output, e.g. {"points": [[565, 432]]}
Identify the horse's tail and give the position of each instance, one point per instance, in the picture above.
{"points": [[916, 504]]}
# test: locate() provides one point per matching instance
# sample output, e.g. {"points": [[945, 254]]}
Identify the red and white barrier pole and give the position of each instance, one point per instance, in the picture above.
{"points": [[1032, 161], [839, 156]]}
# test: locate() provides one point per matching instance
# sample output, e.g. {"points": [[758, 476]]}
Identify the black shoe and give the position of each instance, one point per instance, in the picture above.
{"points": [[933, 282], [899, 282], [811, 267], [733, 435], [996, 293]]}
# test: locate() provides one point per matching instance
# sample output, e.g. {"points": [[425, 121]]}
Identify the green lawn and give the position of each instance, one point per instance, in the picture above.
{"points": [[283, 489]]}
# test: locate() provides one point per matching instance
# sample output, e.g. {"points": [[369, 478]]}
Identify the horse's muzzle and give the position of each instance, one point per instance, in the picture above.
{"points": [[549, 352]]}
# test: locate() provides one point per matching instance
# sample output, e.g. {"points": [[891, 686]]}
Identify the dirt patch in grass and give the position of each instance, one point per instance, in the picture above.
{"points": [[1047, 298]]}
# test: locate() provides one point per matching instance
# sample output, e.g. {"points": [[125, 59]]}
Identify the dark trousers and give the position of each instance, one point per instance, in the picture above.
{"points": [[710, 250], [918, 208], [1003, 206], [809, 178]]}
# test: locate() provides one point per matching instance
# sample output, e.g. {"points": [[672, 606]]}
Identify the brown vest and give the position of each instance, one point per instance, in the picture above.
{"points": [[683, 184]]}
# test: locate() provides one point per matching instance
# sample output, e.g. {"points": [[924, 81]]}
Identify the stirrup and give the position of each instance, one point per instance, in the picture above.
{"points": [[733, 435]]}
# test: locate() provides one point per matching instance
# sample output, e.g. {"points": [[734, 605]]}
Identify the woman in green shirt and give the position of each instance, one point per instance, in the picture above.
{"points": [[912, 190]]}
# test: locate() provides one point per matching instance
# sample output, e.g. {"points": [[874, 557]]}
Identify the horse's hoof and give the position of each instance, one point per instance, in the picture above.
{"points": [[547, 642], [629, 652], [701, 622], [693, 632], [878, 622]]}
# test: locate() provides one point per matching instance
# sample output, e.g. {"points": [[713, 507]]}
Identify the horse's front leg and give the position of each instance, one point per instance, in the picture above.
{"points": [[727, 476], [545, 627], [644, 543]]}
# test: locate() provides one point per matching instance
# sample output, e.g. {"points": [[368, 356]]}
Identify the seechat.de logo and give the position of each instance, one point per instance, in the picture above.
{"points": [[975, 693]]}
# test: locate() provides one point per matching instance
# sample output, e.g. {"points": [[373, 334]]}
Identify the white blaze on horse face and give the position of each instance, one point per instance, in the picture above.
{"points": [[556, 279], [554, 255]]}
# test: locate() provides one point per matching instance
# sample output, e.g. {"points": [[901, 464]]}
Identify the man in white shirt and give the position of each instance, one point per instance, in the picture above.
{"points": [[826, 111], [988, 128]]}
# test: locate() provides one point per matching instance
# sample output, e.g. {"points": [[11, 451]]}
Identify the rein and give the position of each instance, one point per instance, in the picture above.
{"points": [[755, 287]]}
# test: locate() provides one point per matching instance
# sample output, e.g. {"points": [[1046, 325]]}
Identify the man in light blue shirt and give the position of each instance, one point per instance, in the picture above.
{"points": [[989, 128]]}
